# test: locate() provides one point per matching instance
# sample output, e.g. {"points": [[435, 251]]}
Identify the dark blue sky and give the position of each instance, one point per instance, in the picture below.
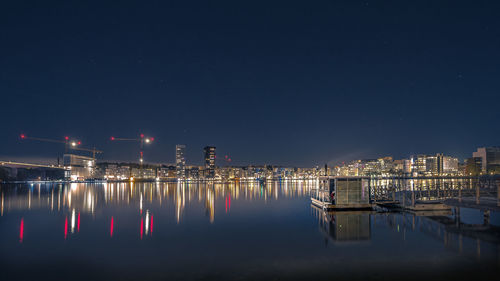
{"points": [[283, 82]]}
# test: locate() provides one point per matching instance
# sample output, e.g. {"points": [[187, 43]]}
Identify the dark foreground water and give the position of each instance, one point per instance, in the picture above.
{"points": [[171, 231]]}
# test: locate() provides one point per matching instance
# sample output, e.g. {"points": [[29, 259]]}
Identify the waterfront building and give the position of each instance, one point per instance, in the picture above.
{"points": [[305, 173], [223, 173], [407, 166], [399, 166], [144, 173], [450, 165], [78, 167], [419, 165], [433, 165], [473, 166], [368, 167], [180, 161], [167, 171], [116, 172], [257, 172], [490, 159], [209, 171], [193, 172], [386, 165]]}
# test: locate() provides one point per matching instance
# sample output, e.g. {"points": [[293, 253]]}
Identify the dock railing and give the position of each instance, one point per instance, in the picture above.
{"points": [[410, 191]]}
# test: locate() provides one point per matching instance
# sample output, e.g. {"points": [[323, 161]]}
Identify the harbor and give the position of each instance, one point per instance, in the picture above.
{"points": [[361, 193]]}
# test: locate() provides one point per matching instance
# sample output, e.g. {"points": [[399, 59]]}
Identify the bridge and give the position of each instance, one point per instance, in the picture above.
{"points": [[13, 164]]}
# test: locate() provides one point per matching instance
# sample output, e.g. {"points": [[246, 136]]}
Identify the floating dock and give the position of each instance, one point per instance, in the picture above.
{"points": [[427, 206], [417, 207], [351, 206]]}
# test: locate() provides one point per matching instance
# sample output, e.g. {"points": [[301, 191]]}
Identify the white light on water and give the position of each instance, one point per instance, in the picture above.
{"points": [[73, 221]]}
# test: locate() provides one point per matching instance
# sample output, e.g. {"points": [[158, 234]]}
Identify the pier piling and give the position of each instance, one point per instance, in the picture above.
{"points": [[486, 217], [477, 193]]}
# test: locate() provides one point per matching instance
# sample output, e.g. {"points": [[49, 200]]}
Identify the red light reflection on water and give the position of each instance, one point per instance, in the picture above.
{"points": [[66, 228], [78, 223], [151, 225], [111, 228], [142, 226], [21, 231]]}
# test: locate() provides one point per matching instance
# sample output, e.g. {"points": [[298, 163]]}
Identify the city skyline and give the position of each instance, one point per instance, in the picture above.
{"points": [[76, 167], [200, 160]]}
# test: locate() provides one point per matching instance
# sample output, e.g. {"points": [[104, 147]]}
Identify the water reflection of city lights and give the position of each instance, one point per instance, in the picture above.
{"points": [[66, 227], [21, 231], [73, 221], [111, 227], [142, 226], [76, 199], [147, 222], [151, 227]]}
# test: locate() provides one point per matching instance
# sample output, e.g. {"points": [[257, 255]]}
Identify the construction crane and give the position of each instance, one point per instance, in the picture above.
{"points": [[142, 140], [227, 159], [69, 143]]}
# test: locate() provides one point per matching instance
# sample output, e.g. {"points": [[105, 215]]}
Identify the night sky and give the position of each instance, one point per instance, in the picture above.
{"points": [[273, 82]]}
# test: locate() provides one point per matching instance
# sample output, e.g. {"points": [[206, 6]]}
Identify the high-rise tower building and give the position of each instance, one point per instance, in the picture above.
{"points": [[180, 161], [209, 161]]}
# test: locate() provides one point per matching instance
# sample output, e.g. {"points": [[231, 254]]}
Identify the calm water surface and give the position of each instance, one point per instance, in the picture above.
{"points": [[244, 231]]}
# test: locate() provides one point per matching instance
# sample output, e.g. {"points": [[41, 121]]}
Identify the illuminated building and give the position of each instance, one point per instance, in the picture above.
{"points": [[399, 166], [78, 167], [115, 172], [433, 164], [209, 161], [180, 161], [193, 172], [144, 173], [418, 165], [167, 172], [490, 159], [450, 165]]}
